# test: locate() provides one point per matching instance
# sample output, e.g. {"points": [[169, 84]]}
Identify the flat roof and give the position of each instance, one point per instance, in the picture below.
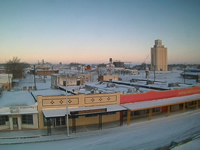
{"points": [[17, 98], [48, 92], [160, 102], [62, 112]]}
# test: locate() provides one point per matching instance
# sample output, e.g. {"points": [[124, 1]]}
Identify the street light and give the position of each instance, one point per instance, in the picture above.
{"points": [[67, 118]]}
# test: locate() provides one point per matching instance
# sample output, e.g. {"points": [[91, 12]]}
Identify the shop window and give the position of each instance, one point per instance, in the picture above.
{"points": [[27, 119], [156, 110], [52, 121], [136, 113], [45, 121], [3, 120], [70, 117], [60, 121], [124, 113], [91, 115], [141, 112], [110, 113], [190, 104]]}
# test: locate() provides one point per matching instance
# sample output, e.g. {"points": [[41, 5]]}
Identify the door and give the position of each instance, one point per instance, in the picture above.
{"points": [[15, 123], [78, 82]]}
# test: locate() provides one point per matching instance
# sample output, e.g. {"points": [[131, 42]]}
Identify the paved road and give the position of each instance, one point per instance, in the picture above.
{"points": [[146, 135]]}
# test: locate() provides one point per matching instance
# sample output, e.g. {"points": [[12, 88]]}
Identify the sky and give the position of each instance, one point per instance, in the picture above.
{"points": [[92, 31]]}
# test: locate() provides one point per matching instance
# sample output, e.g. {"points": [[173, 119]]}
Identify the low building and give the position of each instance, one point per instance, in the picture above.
{"points": [[108, 78], [58, 80], [157, 102], [46, 72], [83, 109], [6, 81], [87, 77], [191, 74], [18, 110]]}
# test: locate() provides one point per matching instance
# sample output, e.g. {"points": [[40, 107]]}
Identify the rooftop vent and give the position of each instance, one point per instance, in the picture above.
{"points": [[110, 85]]}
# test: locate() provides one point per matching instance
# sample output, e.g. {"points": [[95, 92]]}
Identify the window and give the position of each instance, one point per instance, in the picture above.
{"points": [[110, 113], [45, 121], [156, 110], [124, 113], [70, 117], [59, 121], [27, 119], [3, 120], [91, 115]]}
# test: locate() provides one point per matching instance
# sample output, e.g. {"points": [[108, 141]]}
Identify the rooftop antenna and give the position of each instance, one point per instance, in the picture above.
{"points": [[110, 67], [146, 68]]}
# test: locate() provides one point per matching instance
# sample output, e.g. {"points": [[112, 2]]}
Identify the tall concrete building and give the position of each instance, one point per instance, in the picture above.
{"points": [[159, 57]]}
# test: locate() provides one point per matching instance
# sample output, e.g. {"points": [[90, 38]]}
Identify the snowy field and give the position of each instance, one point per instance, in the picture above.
{"points": [[147, 135]]}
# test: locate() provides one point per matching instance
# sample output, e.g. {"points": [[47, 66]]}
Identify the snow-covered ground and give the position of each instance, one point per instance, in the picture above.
{"points": [[193, 145], [147, 135]]}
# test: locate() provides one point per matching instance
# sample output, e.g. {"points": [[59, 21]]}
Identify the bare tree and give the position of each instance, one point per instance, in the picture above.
{"points": [[16, 67]]}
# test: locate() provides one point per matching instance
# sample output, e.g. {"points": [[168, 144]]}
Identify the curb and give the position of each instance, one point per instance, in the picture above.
{"points": [[39, 141], [21, 137]]}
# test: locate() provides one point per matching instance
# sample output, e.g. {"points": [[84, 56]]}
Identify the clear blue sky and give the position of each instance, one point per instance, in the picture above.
{"points": [[92, 31]]}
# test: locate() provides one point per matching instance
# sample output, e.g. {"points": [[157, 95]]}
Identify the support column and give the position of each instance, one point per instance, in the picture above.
{"points": [[121, 118], [100, 121], [11, 122], [183, 107], [19, 122], [73, 124], [48, 126], [168, 110], [150, 114], [128, 117], [197, 104]]}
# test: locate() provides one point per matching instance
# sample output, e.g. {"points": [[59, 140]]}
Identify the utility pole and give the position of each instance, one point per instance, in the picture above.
{"points": [[67, 111], [154, 73], [34, 79], [184, 74], [9, 81]]}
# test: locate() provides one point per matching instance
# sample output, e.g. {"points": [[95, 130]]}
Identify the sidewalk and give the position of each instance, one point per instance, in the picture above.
{"points": [[33, 136]]}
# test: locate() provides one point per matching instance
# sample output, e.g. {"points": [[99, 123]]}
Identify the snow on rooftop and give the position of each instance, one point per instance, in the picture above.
{"points": [[17, 98], [105, 88], [160, 102], [41, 82], [49, 92]]}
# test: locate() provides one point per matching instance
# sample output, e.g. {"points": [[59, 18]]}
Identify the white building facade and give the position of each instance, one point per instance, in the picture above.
{"points": [[18, 110], [18, 117]]}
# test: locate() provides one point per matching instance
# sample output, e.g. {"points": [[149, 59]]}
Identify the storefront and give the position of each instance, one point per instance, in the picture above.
{"points": [[18, 117], [83, 116], [160, 105]]}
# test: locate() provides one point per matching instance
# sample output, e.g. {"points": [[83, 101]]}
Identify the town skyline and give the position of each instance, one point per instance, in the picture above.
{"points": [[94, 31]]}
